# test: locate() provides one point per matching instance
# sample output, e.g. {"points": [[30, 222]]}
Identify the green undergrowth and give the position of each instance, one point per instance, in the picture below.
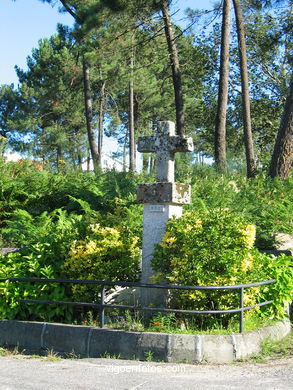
{"points": [[86, 226], [9, 352], [168, 323]]}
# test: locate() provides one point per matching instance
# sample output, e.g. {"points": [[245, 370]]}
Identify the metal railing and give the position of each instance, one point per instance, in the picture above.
{"points": [[103, 305]]}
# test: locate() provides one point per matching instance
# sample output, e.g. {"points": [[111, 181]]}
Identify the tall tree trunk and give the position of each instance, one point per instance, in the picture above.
{"points": [[77, 152], [124, 151], [176, 73], [89, 115], [79, 162], [58, 157], [131, 130], [135, 109], [101, 122], [282, 157], [220, 129], [88, 160], [249, 149]]}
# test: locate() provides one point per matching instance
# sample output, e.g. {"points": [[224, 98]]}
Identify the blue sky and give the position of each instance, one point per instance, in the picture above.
{"points": [[24, 22]]}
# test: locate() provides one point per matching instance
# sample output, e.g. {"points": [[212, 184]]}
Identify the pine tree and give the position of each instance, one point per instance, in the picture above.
{"points": [[249, 147], [220, 129], [49, 108], [282, 157]]}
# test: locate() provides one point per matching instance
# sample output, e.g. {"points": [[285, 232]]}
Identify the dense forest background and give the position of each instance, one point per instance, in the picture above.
{"points": [[124, 66]]}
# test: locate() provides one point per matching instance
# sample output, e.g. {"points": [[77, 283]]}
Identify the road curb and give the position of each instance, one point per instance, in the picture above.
{"points": [[86, 341]]}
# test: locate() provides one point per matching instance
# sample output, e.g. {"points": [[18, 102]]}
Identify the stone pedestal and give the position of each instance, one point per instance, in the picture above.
{"points": [[155, 217]]}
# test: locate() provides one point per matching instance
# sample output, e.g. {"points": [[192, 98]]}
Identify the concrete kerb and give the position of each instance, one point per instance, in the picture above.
{"points": [[86, 341]]}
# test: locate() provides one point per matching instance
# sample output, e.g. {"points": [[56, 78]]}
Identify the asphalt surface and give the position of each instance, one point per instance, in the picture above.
{"points": [[26, 373]]}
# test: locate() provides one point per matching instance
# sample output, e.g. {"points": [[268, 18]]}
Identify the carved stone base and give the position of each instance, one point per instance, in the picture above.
{"points": [[164, 192]]}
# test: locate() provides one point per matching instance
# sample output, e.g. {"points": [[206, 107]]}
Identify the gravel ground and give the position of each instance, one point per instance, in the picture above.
{"points": [[26, 373]]}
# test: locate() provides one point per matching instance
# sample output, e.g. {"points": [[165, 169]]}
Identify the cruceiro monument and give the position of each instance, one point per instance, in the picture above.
{"points": [[162, 200]]}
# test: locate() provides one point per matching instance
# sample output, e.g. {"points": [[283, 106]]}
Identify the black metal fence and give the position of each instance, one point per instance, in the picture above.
{"points": [[103, 305]]}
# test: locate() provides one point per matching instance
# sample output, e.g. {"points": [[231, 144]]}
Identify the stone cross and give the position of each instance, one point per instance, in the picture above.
{"points": [[162, 200], [165, 144]]}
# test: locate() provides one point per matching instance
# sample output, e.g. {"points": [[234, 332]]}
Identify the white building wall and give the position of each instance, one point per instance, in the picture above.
{"points": [[108, 163]]}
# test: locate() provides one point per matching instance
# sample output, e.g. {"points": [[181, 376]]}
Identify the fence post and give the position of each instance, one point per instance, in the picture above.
{"points": [[102, 310], [241, 327]]}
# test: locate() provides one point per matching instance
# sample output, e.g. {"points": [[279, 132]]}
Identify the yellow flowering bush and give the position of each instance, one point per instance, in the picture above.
{"points": [[106, 253], [249, 234], [214, 248]]}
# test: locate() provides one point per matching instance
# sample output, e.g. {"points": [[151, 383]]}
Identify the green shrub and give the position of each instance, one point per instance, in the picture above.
{"points": [[55, 231], [62, 245], [30, 263], [216, 248], [281, 292], [106, 253], [24, 188], [266, 203]]}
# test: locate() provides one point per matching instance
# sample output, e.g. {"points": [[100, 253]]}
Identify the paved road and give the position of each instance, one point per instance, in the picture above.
{"points": [[26, 373]]}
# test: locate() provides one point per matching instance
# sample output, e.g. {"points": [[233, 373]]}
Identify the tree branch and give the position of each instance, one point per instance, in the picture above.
{"points": [[71, 12]]}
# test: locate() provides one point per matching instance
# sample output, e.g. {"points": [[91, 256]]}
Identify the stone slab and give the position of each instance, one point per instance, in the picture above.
{"points": [[212, 344], [5, 251], [246, 344], [155, 345], [114, 343], [164, 192], [284, 242], [187, 349], [66, 339], [21, 334]]}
